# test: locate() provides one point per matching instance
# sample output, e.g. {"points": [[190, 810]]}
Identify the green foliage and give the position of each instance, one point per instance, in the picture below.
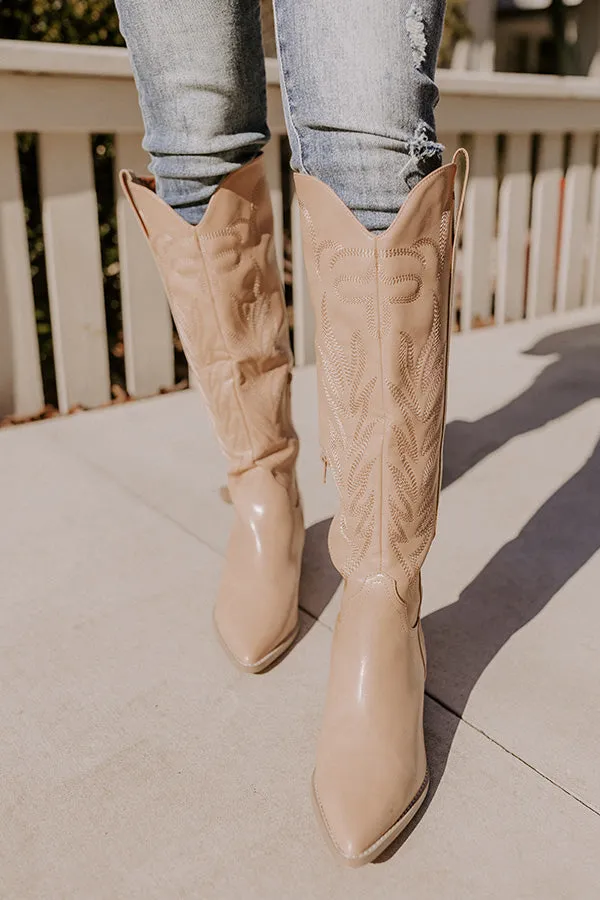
{"points": [[456, 28], [61, 21]]}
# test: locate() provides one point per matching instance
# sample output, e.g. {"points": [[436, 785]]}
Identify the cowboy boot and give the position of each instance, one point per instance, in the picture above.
{"points": [[382, 305], [225, 294]]}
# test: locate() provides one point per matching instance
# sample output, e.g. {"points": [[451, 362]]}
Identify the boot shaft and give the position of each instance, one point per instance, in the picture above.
{"points": [[383, 308], [225, 294]]}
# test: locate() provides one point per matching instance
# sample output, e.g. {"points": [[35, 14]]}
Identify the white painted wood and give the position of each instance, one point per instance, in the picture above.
{"points": [[74, 269], [451, 142], [479, 232], [272, 155], [544, 227], [594, 70], [45, 87], [20, 377], [516, 86], [461, 56], [147, 324], [304, 317], [112, 62], [513, 230], [574, 231], [592, 286], [69, 59], [482, 57], [70, 92], [68, 104], [497, 102], [482, 19]]}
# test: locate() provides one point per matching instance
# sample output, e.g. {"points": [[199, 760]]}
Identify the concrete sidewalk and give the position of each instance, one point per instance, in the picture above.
{"points": [[137, 763]]}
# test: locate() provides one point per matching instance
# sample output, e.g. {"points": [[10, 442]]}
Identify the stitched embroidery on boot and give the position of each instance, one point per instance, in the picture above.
{"points": [[225, 295], [395, 293]]}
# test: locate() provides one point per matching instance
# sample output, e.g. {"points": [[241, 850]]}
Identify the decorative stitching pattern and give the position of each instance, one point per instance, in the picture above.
{"points": [[403, 287], [418, 395], [225, 294]]}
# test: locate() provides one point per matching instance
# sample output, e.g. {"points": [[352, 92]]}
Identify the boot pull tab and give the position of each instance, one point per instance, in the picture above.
{"points": [[127, 179], [461, 153]]}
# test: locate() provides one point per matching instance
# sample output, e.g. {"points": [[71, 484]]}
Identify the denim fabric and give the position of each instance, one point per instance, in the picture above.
{"points": [[357, 84]]}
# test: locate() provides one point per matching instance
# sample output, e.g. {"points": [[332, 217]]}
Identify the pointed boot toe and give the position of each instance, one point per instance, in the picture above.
{"points": [[371, 771], [358, 826], [256, 614], [256, 621], [250, 649]]}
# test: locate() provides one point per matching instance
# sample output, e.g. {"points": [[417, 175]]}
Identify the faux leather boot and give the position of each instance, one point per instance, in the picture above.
{"points": [[225, 295], [383, 311]]}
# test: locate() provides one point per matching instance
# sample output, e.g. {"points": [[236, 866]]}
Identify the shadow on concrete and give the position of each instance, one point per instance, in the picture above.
{"points": [[463, 638], [568, 382], [319, 579], [516, 584], [524, 575]]}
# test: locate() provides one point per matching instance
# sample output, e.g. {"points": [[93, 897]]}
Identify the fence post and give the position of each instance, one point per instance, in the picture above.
{"points": [[20, 377], [147, 325], [74, 267]]}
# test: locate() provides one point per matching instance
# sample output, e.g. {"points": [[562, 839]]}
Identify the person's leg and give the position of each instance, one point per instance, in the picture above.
{"points": [[199, 70], [359, 97]]}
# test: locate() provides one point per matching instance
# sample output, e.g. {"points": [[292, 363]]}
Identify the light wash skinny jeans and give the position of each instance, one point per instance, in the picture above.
{"points": [[357, 85]]}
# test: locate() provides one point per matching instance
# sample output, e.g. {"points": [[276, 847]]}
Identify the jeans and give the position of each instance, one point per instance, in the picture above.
{"points": [[357, 85]]}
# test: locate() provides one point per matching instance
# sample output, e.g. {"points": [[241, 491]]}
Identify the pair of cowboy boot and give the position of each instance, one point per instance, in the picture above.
{"points": [[383, 306]]}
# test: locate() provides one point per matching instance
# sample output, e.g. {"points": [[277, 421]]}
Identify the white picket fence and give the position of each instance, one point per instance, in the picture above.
{"points": [[531, 241]]}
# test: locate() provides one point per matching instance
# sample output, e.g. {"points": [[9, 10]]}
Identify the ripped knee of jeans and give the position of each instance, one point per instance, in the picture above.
{"points": [[425, 154], [415, 27], [422, 146]]}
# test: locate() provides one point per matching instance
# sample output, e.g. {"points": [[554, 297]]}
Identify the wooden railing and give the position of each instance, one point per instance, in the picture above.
{"points": [[531, 240]]}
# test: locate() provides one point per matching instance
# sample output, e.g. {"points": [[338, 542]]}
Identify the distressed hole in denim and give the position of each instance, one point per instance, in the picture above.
{"points": [[425, 154], [415, 27], [422, 144]]}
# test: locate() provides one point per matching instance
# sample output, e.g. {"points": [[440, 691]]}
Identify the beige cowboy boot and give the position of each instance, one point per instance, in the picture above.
{"points": [[225, 294], [383, 320]]}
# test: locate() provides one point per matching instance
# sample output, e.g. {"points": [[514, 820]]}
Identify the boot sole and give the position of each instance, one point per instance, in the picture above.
{"points": [[383, 842], [262, 664]]}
